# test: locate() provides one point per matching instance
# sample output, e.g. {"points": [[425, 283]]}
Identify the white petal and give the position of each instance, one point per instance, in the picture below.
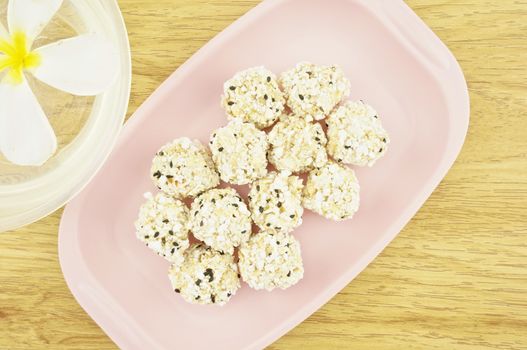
{"points": [[26, 138], [30, 16], [84, 65]]}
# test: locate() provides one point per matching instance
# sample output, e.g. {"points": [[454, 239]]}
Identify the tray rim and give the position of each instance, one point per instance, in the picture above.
{"points": [[108, 320]]}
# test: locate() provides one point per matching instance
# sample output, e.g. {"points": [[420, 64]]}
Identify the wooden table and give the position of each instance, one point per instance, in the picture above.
{"points": [[455, 277]]}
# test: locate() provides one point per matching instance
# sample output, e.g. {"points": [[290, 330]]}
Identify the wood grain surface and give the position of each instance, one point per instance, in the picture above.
{"points": [[455, 277]]}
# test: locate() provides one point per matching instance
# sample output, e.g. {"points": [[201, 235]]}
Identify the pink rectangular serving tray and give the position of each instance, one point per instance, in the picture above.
{"points": [[394, 61]]}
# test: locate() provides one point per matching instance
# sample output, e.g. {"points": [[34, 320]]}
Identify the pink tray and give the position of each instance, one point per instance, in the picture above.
{"points": [[394, 61]]}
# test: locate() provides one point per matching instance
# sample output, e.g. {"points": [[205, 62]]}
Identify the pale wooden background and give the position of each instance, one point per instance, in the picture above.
{"points": [[456, 276]]}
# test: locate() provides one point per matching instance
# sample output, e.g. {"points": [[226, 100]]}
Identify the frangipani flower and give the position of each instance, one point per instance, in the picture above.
{"points": [[84, 65]]}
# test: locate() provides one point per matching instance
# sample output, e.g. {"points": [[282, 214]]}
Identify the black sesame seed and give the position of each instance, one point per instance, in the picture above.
{"points": [[198, 282], [232, 87], [222, 252], [301, 97], [147, 237], [287, 245], [165, 221], [339, 160], [210, 273], [244, 231], [279, 204], [170, 176], [172, 250], [230, 103], [156, 234], [317, 138], [201, 223], [229, 294], [380, 150], [268, 224], [235, 204], [289, 274], [261, 209], [161, 153], [220, 149], [375, 117], [292, 216], [268, 79], [239, 276], [213, 200], [163, 240], [157, 174], [347, 147], [278, 228], [272, 99], [170, 232], [213, 298], [175, 244], [384, 140], [177, 290], [258, 187], [234, 216], [278, 242], [266, 97], [196, 298]]}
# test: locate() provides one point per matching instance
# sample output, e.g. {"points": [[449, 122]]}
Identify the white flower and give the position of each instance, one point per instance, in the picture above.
{"points": [[84, 65]]}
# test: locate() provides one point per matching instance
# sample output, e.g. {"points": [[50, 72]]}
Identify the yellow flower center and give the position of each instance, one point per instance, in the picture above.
{"points": [[15, 55]]}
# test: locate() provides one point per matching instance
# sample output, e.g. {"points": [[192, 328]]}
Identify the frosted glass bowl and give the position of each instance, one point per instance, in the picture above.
{"points": [[86, 127]]}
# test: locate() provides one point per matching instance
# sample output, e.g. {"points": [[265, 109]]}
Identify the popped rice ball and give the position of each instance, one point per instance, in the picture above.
{"points": [[220, 218], [271, 260], [313, 90], [239, 151], [356, 135], [297, 145], [332, 191], [276, 202], [184, 168], [205, 277], [253, 96], [163, 226]]}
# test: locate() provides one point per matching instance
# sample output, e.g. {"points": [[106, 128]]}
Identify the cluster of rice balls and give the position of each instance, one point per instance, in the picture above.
{"points": [[274, 134]]}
